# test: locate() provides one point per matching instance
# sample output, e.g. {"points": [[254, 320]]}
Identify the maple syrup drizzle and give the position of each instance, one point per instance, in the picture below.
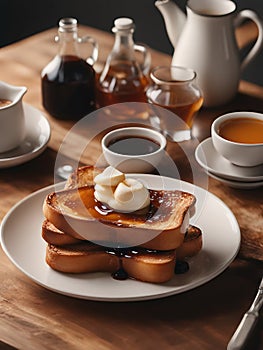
{"points": [[120, 274]]}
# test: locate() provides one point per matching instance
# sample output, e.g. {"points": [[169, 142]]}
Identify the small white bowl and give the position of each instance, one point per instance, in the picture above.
{"points": [[242, 154], [140, 163]]}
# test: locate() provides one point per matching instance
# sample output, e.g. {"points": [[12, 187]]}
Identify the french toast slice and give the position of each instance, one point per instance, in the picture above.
{"points": [[140, 264], [153, 261], [54, 236], [191, 245], [76, 212]]}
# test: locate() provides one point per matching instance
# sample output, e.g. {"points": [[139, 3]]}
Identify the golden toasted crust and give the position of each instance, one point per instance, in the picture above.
{"points": [[79, 258], [53, 235], [154, 267], [192, 244], [73, 211], [82, 176]]}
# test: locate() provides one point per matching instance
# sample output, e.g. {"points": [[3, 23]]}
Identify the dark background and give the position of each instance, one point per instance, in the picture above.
{"points": [[20, 19]]}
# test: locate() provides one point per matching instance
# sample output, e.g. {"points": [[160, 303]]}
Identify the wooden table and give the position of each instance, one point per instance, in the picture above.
{"points": [[33, 317]]}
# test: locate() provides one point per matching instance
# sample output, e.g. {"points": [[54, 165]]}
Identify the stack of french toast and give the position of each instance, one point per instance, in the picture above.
{"points": [[84, 235]]}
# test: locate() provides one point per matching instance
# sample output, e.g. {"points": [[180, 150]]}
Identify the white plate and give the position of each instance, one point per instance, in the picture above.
{"points": [[22, 242], [237, 184], [35, 142], [211, 161]]}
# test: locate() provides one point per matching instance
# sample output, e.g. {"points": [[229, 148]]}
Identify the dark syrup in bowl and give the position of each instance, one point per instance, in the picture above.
{"points": [[133, 145]]}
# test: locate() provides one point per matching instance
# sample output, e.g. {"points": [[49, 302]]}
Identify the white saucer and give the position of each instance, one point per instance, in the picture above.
{"points": [[237, 184], [215, 164], [35, 142]]}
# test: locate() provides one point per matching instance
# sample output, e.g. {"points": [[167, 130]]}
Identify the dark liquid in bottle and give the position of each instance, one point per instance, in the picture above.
{"points": [[68, 87], [132, 145]]}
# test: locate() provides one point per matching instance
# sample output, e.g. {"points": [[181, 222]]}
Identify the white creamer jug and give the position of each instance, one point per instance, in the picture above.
{"points": [[12, 119]]}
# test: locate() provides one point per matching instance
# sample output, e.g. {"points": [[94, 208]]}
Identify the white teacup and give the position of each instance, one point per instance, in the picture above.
{"points": [[12, 119], [141, 154], [247, 149]]}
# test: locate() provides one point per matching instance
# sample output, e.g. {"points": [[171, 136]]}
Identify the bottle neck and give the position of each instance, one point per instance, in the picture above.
{"points": [[124, 44], [68, 43]]}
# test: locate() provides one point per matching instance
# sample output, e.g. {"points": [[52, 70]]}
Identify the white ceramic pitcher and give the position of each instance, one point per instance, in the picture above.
{"points": [[204, 40]]}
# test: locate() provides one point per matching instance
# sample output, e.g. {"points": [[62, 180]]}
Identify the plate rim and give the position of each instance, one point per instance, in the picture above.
{"points": [[43, 191]]}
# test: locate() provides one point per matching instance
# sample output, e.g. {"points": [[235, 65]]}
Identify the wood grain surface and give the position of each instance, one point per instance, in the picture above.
{"points": [[204, 318]]}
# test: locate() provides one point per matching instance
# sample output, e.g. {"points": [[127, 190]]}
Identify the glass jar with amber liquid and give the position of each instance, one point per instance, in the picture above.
{"points": [[123, 78], [68, 81], [174, 89]]}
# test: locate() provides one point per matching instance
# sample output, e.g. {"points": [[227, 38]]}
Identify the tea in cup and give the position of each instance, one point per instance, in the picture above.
{"points": [[12, 119], [174, 88], [238, 137]]}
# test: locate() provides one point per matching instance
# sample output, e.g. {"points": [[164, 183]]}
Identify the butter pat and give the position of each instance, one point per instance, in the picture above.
{"points": [[109, 177], [120, 193]]}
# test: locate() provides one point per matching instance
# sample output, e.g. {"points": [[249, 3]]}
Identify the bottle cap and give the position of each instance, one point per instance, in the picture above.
{"points": [[123, 23], [68, 24]]}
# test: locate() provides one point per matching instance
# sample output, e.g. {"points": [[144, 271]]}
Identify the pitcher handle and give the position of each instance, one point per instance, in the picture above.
{"points": [[95, 48], [248, 14], [146, 57]]}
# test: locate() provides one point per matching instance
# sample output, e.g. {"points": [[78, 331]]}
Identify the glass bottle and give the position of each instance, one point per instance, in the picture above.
{"points": [[68, 81], [123, 79]]}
